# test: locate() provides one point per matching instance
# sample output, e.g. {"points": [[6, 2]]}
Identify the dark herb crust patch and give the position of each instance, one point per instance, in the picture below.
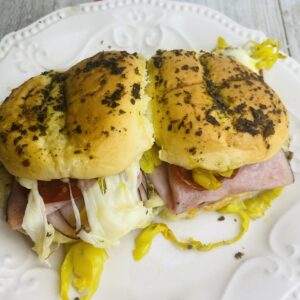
{"points": [[232, 98], [55, 112]]}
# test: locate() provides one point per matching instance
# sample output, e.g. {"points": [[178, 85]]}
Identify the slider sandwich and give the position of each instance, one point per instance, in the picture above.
{"points": [[219, 131], [72, 142]]}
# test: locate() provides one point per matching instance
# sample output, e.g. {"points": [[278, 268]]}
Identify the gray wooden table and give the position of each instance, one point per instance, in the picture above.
{"points": [[279, 19]]}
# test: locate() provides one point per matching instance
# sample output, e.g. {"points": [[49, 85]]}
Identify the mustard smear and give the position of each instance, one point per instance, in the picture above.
{"points": [[249, 209], [82, 267]]}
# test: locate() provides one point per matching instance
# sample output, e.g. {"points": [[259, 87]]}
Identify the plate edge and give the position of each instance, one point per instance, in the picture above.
{"points": [[12, 38]]}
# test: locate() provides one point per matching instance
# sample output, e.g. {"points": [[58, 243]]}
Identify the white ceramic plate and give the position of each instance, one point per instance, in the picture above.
{"points": [[270, 268]]}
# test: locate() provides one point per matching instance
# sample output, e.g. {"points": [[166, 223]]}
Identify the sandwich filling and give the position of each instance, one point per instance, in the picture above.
{"points": [[98, 211], [181, 193], [218, 127]]}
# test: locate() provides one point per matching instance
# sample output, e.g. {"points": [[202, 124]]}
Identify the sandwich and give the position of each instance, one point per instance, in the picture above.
{"points": [[219, 129], [96, 151], [71, 143]]}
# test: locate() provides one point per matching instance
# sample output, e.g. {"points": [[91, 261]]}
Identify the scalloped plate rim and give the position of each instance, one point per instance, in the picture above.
{"points": [[6, 45], [121, 3], [70, 11]]}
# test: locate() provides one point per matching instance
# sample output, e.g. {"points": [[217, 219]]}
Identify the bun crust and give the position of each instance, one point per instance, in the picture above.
{"points": [[209, 111], [84, 123]]}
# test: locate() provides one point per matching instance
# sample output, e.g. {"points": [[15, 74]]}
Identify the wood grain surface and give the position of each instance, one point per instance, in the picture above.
{"points": [[279, 19]]}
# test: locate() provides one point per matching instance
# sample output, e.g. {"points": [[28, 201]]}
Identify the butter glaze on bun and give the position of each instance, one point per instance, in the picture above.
{"points": [[209, 111], [84, 123]]}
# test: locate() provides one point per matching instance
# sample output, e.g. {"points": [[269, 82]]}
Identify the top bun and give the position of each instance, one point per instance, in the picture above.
{"points": [[211, 112], [84, 123]]}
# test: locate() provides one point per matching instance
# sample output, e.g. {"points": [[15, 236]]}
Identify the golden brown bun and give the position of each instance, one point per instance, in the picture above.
{"points": [[84, 123], [211, 112]]}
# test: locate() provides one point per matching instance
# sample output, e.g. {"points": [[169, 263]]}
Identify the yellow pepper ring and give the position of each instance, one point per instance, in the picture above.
{"points": [[82, 267], [246, 210]]}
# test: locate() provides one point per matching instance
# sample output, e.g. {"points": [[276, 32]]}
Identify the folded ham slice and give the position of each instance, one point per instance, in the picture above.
{"points": [[68, 213], [54, 206], [56, 196], [180, 195], [61, 225], [16, 205]]}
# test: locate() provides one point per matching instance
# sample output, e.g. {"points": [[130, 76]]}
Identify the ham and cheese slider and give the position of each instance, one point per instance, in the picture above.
{"points": [[219, 127], [73, 141]]}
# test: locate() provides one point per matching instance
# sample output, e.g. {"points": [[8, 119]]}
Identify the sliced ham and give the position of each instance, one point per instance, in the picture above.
{"points": [[16, 205], [143, 187], [54, 206], [56, 193], [181, 196], [68, 212], [61, 225], [56, 196], [159, 178], [140, 178]]}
